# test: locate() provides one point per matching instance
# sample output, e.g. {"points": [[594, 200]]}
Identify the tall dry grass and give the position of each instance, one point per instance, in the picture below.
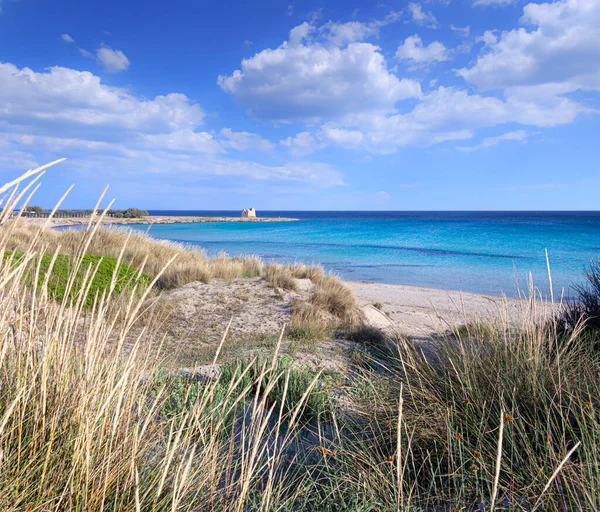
{"points": [[191, 263], [495, 416], [84, 424], [331, 301]]}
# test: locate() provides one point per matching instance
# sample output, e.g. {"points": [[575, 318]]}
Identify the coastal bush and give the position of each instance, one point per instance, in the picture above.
{"points": [[134, 213], [129, 213], [34, 209]]}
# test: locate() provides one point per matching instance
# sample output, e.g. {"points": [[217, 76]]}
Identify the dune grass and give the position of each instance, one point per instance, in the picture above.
{"points": [[490, 417], [191, 263], [331, 301]]}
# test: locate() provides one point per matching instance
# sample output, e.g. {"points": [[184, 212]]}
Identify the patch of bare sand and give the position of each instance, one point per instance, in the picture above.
{"points": [[420, 312], [198, 315], [203, 311]]}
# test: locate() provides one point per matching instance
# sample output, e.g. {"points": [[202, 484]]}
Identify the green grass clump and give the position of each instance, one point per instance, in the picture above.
{"points": [[300, 381], [102, 267]]}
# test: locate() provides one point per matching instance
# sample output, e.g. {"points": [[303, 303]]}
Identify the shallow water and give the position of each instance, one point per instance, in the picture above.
{"points": [[482, 252]]}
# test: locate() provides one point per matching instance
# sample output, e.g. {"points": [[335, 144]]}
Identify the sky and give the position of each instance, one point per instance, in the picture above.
{"points": [[313, 105]]}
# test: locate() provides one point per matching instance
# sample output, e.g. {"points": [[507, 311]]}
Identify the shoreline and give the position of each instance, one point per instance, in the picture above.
{"points": [[412, 310]]}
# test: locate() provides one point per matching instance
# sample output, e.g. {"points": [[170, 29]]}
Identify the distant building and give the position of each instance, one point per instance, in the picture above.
{"points": [[250, 212]]}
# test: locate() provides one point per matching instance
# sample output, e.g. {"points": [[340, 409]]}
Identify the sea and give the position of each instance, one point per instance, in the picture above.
{"points": [[481, 252]]}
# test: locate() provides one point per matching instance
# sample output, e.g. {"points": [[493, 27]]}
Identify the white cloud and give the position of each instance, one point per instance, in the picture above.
{"points": [[183, 141], [420, 17], [303, 143], [68, 39], [562, 53], [412, 49], [245, 141], [495, 3], [463, 31], [443, 115], [343, 33], [488, 38], [108, 131], [309, 80], [66, 100], [84, 52], [343, 137], [488, 142], [112, 60]]}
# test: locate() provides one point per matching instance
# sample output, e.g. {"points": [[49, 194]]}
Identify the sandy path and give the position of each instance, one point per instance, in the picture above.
{"points": [[418, 311]]}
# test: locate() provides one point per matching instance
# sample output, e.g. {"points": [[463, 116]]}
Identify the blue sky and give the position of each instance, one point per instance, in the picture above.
{"points": [[430, 105]]}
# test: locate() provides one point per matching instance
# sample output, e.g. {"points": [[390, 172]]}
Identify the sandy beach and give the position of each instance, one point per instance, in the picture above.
{"points": [[419, 312]]}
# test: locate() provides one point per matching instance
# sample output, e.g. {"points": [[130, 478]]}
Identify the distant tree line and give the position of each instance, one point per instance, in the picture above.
{"points": [[129, 213]]}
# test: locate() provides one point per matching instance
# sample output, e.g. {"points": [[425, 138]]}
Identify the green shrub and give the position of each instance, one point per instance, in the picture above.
{"points": [[34, 209], [127, 275], [134, 213], [300, 380]]}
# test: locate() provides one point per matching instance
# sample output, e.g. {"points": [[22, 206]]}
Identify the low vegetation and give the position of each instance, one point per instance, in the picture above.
{"points": [[490, 417], [583, 310], [330, 298], [60, 277]]}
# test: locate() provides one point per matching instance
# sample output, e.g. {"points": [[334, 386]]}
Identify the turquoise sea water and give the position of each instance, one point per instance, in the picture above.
{"points": [[483, 252]]}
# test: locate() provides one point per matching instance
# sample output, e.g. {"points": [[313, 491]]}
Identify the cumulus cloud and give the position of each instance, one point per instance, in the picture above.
{"points": [[523, 76], [413, 50], [420, 17], [67, 38], [562, 52], [308, 79], [488, 142], [113, 61], [71, 100]]}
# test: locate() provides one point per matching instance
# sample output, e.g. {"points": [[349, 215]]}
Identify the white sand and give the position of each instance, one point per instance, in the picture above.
{"points": [[419, 312]]}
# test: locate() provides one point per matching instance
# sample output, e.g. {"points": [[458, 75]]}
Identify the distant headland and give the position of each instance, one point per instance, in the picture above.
{"points": [[138, 216]]}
